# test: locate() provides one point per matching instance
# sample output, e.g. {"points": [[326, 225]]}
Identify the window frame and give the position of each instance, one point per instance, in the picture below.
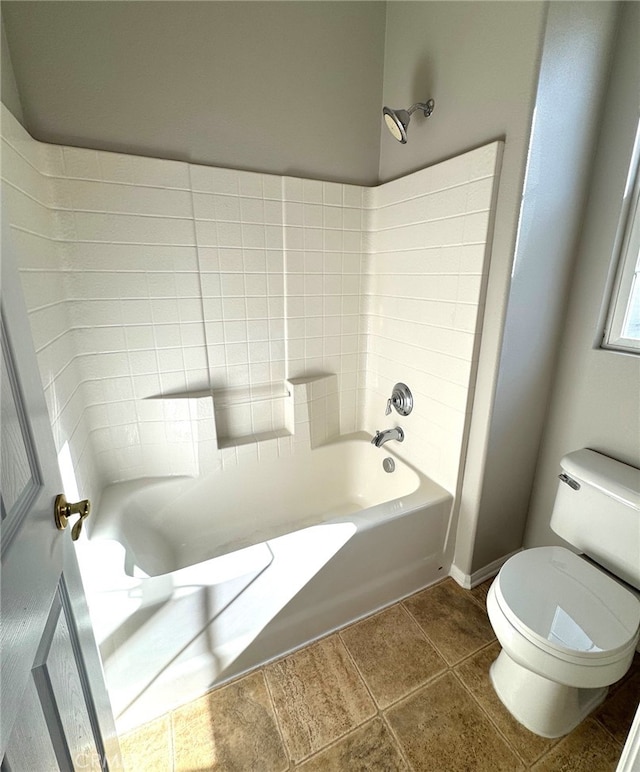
{"points": [[627, 280]]}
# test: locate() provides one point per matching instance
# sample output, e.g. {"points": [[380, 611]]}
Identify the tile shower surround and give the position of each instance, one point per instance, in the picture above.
{"points": [[150, 282]]}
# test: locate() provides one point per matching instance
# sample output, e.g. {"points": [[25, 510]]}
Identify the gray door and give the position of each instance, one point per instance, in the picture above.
{"points": [[54, 709]]}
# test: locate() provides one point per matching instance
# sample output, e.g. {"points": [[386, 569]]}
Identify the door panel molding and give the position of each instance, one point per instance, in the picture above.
{"points": [[54, 707], [14, 514]]}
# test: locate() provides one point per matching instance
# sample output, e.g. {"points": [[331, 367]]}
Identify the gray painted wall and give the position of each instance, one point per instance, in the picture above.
{"points": [[282, 87], [573, 74], [10, 95], [478, 60], [596, 397]]}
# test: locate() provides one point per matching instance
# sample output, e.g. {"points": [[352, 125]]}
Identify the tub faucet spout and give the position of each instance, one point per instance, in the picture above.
{"points": [[386, 435]]}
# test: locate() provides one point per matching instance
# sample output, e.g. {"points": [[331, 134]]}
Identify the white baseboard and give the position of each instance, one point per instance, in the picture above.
{"points": [[630, 759], [482, 574]]}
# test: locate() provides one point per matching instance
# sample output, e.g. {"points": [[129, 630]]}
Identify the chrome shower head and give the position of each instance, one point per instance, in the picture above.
{"points": [[398, 120]]}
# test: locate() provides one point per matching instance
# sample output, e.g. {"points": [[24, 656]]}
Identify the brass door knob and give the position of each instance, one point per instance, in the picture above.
{"points": [[62, 511]]}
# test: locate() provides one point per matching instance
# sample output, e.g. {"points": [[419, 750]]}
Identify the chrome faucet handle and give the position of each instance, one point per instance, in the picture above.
{"points": [[401, 400]]}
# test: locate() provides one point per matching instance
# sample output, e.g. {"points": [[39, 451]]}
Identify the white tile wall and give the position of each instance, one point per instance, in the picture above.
{"points": [[425, 274], [29, 199], [238, 219], [323, 236], [148, 278]]}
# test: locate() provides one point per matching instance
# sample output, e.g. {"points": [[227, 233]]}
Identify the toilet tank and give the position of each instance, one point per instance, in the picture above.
{"points": [[597, 510]]}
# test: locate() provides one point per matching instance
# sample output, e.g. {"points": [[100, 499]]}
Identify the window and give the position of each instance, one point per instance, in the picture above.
{"points": [[622, 329]]}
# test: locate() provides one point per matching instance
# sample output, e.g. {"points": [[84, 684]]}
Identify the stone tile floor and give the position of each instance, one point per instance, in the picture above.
{"points": [[404, 689]]}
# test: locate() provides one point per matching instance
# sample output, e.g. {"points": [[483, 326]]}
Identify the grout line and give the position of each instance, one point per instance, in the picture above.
{"points": [[338, 740], [428, 637], [276, 715], [118, 271], [606, 729], [561, 740], [548, 751], [423, 194], [409, 695], [56, 240], [443, 301], [489, 718], [429, 221], [172, 756], [444, 353], [116, 213], [388, 253], [414, 690], [396, 741], [424, 634], [24, 192], [358, 671]]}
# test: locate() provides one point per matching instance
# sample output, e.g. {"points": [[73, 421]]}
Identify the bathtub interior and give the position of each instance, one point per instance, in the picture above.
{"points": [[166, 524], [171, 624]]}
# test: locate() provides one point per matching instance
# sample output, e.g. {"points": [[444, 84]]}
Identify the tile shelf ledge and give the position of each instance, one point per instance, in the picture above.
{"points": [[247, 394], [250, 439], [234, 395], [311, 408]]}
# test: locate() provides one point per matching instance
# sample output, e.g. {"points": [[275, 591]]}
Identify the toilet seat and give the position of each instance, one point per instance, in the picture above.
{"points": [[567, 607]]}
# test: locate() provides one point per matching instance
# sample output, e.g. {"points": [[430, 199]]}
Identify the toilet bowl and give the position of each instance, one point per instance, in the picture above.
{"points": [[569, 625], [567, 630]]}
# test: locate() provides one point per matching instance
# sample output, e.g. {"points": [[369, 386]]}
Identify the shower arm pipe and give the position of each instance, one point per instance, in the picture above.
{"points": [[426, 107]]}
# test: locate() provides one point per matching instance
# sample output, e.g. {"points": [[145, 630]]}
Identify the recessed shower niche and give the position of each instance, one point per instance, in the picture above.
{"points": [[305, 408], [244, 414]]}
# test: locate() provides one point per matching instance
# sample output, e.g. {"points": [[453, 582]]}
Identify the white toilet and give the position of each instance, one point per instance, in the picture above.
{"points": [[567, 627]]}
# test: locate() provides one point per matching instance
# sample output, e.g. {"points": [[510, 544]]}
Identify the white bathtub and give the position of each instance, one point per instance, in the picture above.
{"points": [[193, 581]]}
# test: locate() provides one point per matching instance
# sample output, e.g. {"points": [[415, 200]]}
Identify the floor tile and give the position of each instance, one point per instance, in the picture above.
{"points": [[474, 673], [392, 654], [587, 749], [440, 727], [454, 623], [148, 748], [318, 696], [371, 747], [232, 729], [619, 708], [436, 721], [479, 593]]}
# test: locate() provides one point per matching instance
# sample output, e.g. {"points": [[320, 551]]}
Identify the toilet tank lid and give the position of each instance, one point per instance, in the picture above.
{"points": [[614, 478]]}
